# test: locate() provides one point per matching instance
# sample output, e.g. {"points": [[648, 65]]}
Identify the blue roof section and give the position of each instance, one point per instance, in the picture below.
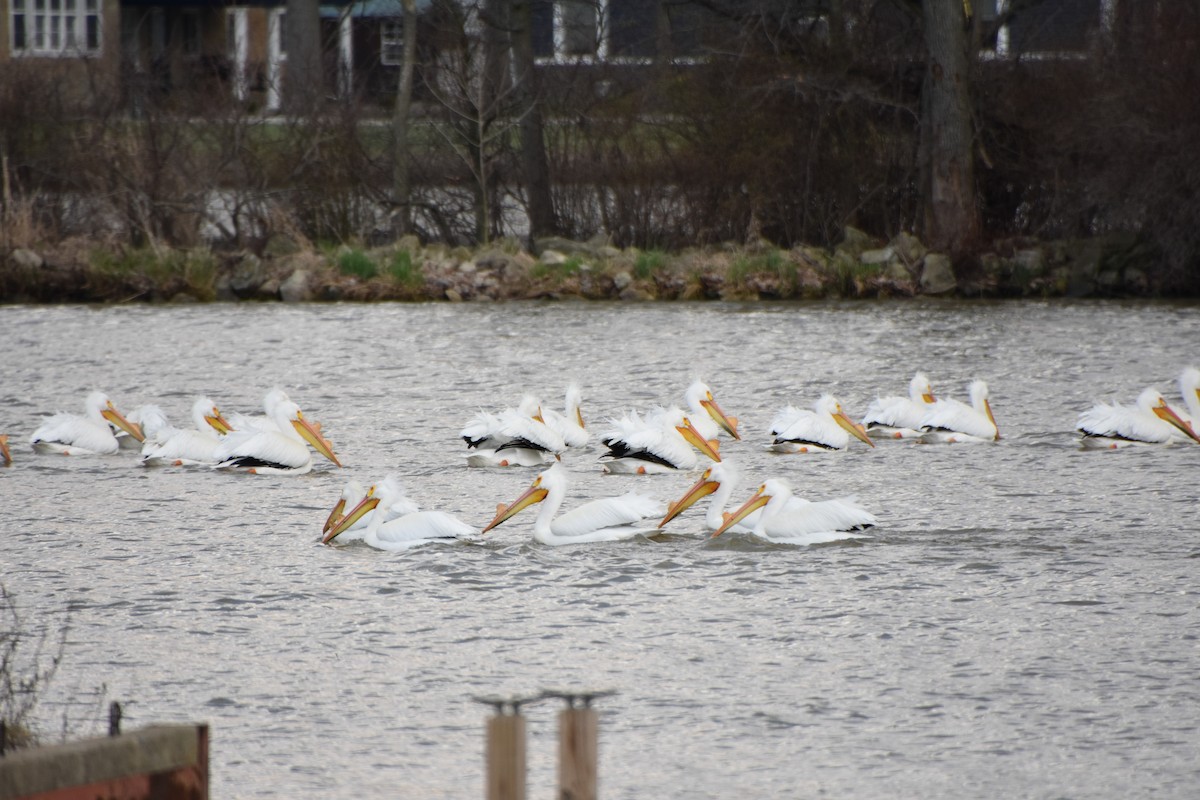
{"points": [[372, 8]]}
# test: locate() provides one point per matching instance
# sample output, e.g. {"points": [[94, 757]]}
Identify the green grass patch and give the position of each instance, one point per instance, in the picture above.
{"points": [[357, 264], [402, 270], [648, 262]]}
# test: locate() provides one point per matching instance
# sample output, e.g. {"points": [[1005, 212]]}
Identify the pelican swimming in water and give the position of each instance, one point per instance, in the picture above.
{"points": [[513, 437], [352, 494], [150, 419], [5, 453], [665, 440], [1189, 388], [189, 446], [568, 423], [706, 415], [1150, 421], [610, 519], [720, 480], [823, 428], [282, 452], [245, 423], [71, 434], [398, 532], [952, 420], [783, 522], [897, 417]]}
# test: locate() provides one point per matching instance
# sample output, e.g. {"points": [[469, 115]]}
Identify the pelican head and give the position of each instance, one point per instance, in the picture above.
{"points": [[536, 493], [720, 474], [693, 437], [352, 493], [978, 392], [830, 405], [99, 405], [700, 397], [1153, 401], [309, 431], [364, 507], [574, 402], [1189, 387], [206, 413], [920, 390], [762, 495]]}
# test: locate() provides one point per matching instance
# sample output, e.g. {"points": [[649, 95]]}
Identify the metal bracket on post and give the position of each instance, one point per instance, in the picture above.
{"points": [[578, 731], [505, 748]]}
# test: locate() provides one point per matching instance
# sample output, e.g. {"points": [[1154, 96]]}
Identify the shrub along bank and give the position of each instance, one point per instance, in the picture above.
{"points": [[291, 271]]}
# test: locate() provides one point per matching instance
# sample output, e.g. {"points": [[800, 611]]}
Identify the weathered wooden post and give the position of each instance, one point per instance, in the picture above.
{"points": [[505, 749], [578, 729]]}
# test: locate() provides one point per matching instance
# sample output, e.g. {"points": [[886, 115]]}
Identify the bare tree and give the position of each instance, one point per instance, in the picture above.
{"points": [[401, 178], [951, 211], [304, 84]]}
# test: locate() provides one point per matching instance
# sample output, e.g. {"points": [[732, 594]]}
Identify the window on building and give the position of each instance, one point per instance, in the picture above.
{"points": [[614, 29], [391, 42], [55, 27]]}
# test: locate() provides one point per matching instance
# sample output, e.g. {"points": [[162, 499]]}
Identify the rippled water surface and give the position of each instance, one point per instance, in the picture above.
{"points": [[1022, 623]]}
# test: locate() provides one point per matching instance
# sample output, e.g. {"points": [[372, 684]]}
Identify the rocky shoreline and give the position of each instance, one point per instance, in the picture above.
{"points": [[292, 271]]}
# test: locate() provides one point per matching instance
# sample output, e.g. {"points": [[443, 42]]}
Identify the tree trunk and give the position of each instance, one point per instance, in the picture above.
{"points": [[401, 182], [304, 82], [534, 164], [951, 211]]}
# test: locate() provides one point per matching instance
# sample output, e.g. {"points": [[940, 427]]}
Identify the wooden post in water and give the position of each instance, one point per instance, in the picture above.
{"points": [[578, 732], [505, 748]]}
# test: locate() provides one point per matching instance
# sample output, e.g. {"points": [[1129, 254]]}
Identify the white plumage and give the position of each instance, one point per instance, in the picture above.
{"points": [[188, 446], [512, 437], [352, 494], [720, 480], [71, 434], [569, 423], [896, 417], [822, 428], [281, 451], [395, 523], [706, 414], [1189, 388], [606, 520], [952, 420], [665, 440], [1150, 421], [783, 521]]}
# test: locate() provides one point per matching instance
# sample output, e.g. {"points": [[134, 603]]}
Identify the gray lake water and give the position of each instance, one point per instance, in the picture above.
{"points": [[1023, 621]]}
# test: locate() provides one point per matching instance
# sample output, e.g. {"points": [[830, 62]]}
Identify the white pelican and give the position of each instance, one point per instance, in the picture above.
{"points": [[402, 532], [782, 522], [1150, 421], [823, 428], [189, 446], [706, 415], [951, 420], [71, 434], [513, 437], [151, 420], [1189, 387], [352, 494], [665, 440], [569, 424], [276, 452], [900, 417], [5, 453], [610, 519], [242, 422], [719, 480]]}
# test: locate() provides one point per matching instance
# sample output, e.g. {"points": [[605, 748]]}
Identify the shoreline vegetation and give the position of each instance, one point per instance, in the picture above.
{"points": [[289, 269]]}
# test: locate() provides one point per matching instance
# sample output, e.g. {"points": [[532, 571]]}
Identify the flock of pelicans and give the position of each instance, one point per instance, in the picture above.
{"points": [[660, 440]]}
